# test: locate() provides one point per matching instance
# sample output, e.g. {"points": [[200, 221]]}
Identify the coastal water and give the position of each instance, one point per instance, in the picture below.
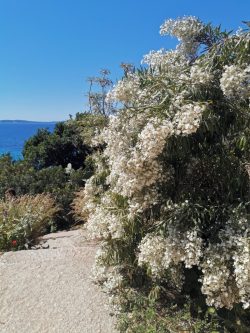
{"points": [[14, 134]]}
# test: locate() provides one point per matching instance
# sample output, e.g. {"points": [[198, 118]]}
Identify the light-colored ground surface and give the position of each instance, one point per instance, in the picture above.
{"points": [[50, 290]]}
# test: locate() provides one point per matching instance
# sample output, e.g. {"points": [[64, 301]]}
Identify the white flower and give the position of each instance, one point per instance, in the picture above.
{"points": [[159, 252], [102, 224], [186, 30], [235, 81], [125, 90], [187, 119], [200, 75], [152, 251]]}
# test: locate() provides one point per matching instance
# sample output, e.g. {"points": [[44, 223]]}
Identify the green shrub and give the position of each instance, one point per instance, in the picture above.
{"points": [[63, 146], [141, 314]]}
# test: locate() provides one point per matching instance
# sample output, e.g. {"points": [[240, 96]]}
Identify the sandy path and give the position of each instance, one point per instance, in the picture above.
{"points": [[50, 290]]}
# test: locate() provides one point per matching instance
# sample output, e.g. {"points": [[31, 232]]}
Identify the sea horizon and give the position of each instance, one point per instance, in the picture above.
{"points": [[14, 133], [29, 121]]}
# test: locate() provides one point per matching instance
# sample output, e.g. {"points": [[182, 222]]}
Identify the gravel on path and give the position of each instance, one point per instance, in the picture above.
{"points": [[51, 290]]}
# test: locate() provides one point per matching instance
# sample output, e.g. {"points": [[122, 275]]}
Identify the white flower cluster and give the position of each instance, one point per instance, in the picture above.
{"points": [[126, 90], [152, 251], [160, 252], [100, 270], [200, 75], [113, 281], [237, 241], [186, 29], [152, 138], [188, 119], [226, 269], [187, 116], [174, 62], [155, 58], [102, 224], [217, 283], [110, 277], [235, 81], [144, 200], [242, 270], [135, 167]]}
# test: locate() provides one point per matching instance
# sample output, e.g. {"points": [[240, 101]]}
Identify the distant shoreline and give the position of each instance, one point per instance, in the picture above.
{"points": [[29, 121]]}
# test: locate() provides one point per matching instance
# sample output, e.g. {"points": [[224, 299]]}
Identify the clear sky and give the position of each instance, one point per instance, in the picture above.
{"points": [[49, 47]]}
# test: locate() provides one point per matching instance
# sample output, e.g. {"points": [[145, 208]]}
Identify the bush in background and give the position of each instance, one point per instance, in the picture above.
{"points": [[24, 219], [54, 180], [59, 148]]}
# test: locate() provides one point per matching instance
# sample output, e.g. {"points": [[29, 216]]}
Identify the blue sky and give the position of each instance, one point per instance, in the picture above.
{"points": [[49, 47]]}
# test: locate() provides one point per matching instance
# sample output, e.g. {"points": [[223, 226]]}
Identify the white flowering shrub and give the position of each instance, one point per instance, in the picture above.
{"points": [[170, 196]]}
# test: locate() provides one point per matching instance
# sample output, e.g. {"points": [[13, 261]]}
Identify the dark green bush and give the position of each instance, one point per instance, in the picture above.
{"points": [[59, 148]]}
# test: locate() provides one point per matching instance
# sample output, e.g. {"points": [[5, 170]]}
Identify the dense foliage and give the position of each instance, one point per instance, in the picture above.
{"points": [[59, 148], [54, 163], [170, 196]]}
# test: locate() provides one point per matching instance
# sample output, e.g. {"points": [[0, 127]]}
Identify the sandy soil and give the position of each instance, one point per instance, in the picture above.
{"points": [[50, 290]]}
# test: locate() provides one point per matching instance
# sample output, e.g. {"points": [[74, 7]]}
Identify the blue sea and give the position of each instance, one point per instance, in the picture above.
{"points": [[14, 134]]}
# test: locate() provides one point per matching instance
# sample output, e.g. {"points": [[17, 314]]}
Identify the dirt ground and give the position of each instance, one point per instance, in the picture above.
{"points": [[51, 290]]}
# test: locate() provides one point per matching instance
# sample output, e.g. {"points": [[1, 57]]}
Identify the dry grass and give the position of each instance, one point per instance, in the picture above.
{"points": [[78, 206], [25, 218]]}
